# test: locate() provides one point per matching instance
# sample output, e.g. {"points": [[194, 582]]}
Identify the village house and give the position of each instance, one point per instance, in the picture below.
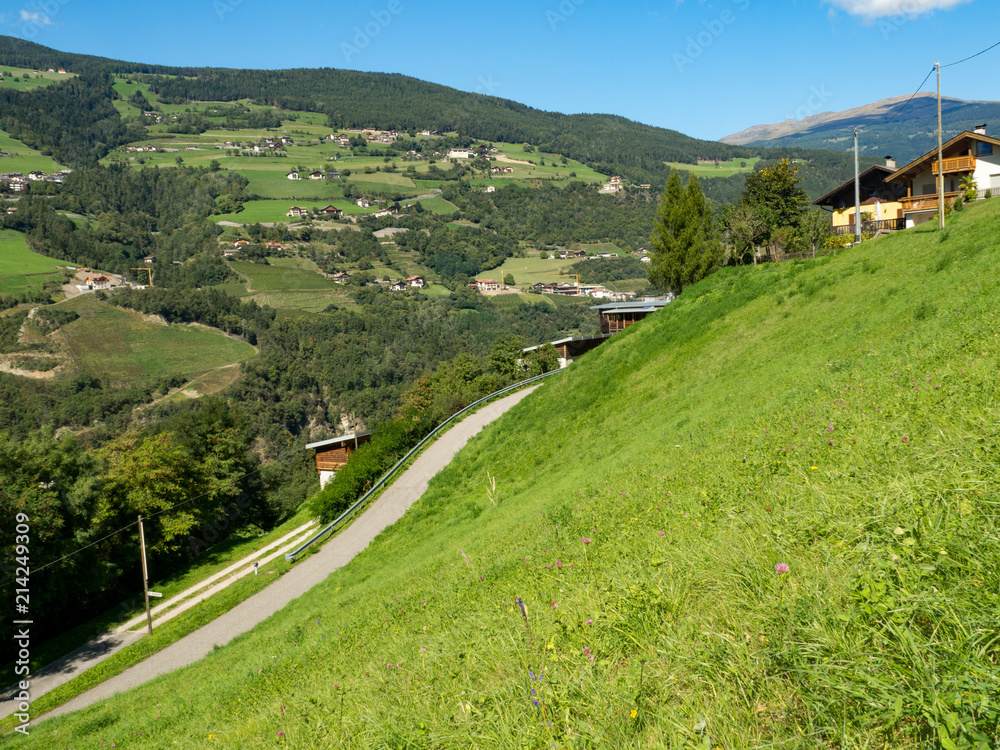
{"points": [[490, 189], [291, 175], [316, 175], [415, 281], [487, 285], [363, 203], [36, 175], [241, 243], [341, 277], [229, 252], [383, 213], [297, 211], [460, 153], [149, 260], [881, 209], [331, 211], [398, 286], [98, 282], [970, 154], [272, 245]]}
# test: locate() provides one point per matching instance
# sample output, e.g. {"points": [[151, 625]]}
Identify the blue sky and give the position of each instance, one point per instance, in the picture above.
{"points": [[705, 68]]}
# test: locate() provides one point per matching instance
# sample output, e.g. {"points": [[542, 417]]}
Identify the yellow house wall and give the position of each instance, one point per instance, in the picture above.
{"points": [[845, 217]]}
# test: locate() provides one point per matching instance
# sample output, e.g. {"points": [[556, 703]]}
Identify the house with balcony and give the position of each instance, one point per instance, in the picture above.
{"points": [[969, 154], [881, 210]]}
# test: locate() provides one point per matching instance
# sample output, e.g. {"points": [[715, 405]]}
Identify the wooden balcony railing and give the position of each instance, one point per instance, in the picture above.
{"points": [[927, 202], [870, 227], [956, 164]]}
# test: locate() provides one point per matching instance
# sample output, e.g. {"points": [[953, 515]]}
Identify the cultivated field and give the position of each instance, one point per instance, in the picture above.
{"points": [[722, 169]]}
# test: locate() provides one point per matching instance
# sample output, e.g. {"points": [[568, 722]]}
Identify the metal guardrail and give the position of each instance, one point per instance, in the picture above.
{"points": [[291, 556]]}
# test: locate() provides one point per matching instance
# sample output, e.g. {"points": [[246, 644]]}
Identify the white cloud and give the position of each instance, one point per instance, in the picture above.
{"points": [[39, 19], [871, 9]]}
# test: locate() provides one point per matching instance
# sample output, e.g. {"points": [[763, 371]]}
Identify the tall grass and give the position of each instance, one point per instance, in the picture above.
{"points": [[766, 517]]}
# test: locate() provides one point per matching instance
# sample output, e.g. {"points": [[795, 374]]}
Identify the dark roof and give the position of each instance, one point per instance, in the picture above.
{"points": [[827, 200]]}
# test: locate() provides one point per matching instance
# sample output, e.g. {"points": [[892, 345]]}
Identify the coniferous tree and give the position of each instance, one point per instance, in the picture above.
{"points": [[686, 247]]}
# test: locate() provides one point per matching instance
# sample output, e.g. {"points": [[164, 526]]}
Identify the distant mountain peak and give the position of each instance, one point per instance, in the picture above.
{"points": [[924, 104]]}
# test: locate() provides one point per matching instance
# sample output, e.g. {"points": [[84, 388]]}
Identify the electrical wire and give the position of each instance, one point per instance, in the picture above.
{"points": [[900, 110], [966, 59], [136, 523]]}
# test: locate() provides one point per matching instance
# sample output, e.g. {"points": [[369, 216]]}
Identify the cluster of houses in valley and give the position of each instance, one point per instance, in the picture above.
{"points": [[17, 182], [296, 175], [401, 285], [894, 198], [332, 212]]}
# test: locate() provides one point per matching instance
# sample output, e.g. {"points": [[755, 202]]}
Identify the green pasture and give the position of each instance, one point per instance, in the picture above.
{"points": [[722, 169], [38, 78], [22, 269], [120, 346], [438, 205], [22, 158], [532, 270]]}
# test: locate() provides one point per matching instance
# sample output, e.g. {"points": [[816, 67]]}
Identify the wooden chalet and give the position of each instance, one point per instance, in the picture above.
{"points": [[333, 454], [970, 154]]}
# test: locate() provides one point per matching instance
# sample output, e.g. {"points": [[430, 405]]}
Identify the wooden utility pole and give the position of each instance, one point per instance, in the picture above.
{"points": [[145, 576], [940, 159], [857, 193]]}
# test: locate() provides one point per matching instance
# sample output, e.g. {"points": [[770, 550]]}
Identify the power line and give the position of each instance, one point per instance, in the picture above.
{"points": [[135, 523], [900, 110], [966, 59]]}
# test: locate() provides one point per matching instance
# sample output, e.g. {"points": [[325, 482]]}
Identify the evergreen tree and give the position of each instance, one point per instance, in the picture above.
{"points": [[686, 247]]}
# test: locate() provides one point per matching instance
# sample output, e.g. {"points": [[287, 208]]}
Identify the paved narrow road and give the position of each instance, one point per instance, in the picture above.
{"points": [[311, 570]]}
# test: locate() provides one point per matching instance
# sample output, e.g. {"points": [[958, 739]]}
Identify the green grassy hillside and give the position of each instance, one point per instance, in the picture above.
{"points": [[766, 517]]}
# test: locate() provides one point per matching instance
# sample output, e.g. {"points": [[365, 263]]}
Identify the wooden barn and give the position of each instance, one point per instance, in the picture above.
{"points": [[618, 316], [334, 453]]}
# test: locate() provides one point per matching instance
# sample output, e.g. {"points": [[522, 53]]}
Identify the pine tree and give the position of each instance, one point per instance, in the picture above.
{"points": [[686, 247]]}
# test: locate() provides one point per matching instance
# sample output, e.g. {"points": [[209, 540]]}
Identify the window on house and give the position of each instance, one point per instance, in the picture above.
{"points": [[985, 149]]}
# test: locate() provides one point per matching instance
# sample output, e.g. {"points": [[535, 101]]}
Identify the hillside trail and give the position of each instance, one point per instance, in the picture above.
{"points": [[311, 570], [107, 644]]}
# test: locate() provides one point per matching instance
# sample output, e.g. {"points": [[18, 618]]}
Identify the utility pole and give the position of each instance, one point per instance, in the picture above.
{"points": [[940, 159], [145, 577], [857, 193]]}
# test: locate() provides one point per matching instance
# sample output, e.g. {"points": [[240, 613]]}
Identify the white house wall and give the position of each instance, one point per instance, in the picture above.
{"points": [[987, 172]]}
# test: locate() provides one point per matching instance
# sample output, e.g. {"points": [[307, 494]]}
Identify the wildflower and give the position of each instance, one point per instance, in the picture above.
{"points": [[281, 733], [662, 533], [814, 468], [830, 428], [634, 713], [586, 650], [589, 622], [558, 563], [781, 568], [587, 540]]}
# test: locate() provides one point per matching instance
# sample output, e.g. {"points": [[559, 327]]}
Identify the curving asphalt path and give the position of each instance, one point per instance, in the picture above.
{"points": [[385, 511]]}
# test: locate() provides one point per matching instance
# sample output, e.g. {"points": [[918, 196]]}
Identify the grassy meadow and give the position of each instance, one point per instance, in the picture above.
{"points": [[722, 169], [22, 269], [791, 543], [122, 346], [23, 159]]}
